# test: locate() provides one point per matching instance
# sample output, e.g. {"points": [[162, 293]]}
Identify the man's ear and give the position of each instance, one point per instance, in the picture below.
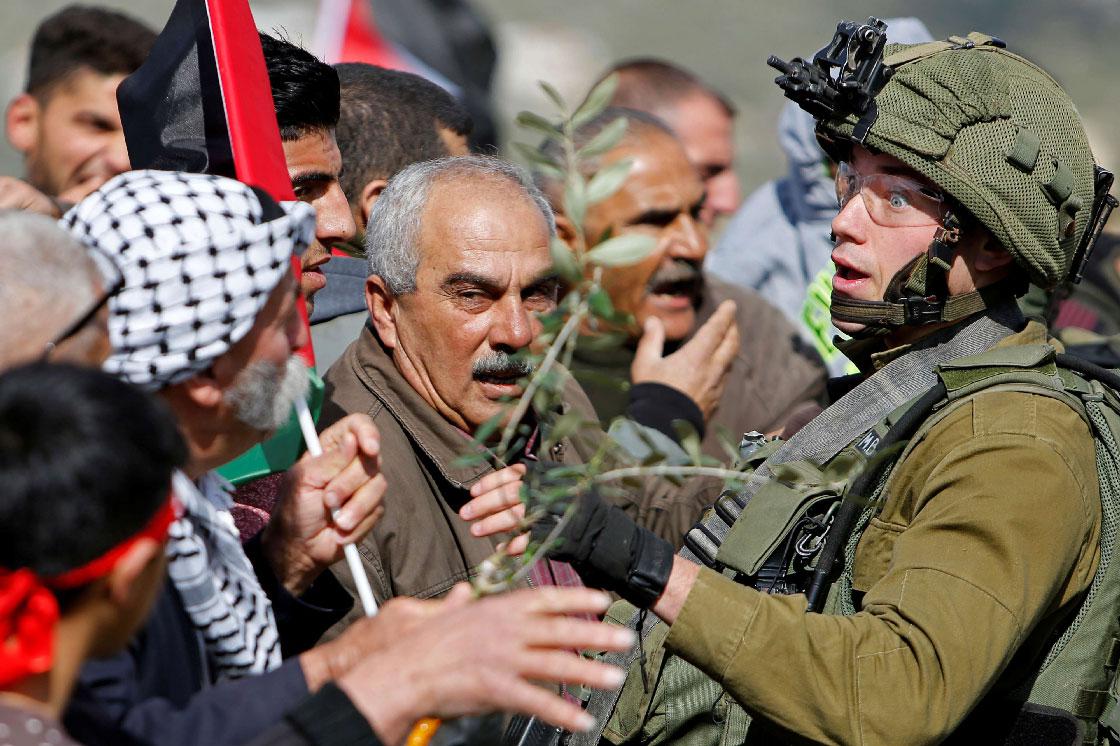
{"points": [[381, 305], [370, 192], [22, 122], [124, 581], [565, 230], [202, 390]]}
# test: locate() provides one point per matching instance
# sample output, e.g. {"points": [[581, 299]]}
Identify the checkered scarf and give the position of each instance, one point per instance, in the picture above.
{"points": [[216, 583], [200, 255]]}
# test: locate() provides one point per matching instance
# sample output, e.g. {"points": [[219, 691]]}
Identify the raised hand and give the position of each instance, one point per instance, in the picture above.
{"points": [[304, 538], [699, 368]]}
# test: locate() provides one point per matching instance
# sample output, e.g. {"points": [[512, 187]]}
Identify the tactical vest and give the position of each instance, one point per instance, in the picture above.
{"points": [[777, 538]]}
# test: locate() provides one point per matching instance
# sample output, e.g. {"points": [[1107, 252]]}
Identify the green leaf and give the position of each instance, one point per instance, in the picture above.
{"points": [[727, 442], [486, 429], [690, 441], [566, 425], [553, 95], [607, 139], [532, 121], [622, 250], [596, 101], [564, 262], [600, 304], [538, 161], [468, 460], [575, 199], [608, 180]]}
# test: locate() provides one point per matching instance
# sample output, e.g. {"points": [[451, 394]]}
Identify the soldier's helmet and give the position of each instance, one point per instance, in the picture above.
{"points": [[992, 129]]}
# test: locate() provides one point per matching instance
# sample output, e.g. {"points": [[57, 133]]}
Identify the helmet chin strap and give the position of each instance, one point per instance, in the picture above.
{"points": [[918, 294]]}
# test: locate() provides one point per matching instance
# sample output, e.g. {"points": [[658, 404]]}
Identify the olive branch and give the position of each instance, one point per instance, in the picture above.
{"points": [[585, 313]]}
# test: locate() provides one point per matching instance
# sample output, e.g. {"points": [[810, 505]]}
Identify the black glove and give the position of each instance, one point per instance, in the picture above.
{"points": [[608, 549]]}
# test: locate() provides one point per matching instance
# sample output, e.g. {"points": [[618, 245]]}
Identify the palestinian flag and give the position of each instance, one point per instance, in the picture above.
{"points": [[201, 102]]}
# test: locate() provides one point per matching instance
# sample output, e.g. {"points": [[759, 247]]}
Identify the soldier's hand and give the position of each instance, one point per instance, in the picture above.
{"points": [[699, 368], [17, 194], [607, 548], [483, 656], [495, 506], [304, 538]]}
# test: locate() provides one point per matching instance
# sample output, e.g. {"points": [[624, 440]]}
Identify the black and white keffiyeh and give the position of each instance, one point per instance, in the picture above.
{"points": [[216, 582], [200, 255]]}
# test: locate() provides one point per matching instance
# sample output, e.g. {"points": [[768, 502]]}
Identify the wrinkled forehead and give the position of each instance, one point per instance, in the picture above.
{"points": [[481, 221]]}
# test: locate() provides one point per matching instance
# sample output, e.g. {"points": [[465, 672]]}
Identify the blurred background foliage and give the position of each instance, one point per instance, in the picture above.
{"points": [[569, 42]]}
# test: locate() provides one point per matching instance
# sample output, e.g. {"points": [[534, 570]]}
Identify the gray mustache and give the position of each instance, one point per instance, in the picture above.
{"points": [[681, 270], [501, 364]]}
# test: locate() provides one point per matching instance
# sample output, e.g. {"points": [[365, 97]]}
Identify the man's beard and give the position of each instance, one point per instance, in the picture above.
{"points": [[263, 394]]}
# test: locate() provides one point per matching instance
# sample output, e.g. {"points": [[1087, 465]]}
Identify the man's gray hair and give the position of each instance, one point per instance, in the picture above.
{"points": [[47, 279], [393, 233]]}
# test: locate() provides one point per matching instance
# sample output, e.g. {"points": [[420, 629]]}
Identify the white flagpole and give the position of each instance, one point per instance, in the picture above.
{"points": [[353, 561]]}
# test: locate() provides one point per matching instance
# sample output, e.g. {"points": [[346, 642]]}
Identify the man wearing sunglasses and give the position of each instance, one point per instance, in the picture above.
{"points": [[908, 567]]}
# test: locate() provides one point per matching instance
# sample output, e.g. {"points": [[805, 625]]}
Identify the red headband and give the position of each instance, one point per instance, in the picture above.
{"points": [[29, 610]]}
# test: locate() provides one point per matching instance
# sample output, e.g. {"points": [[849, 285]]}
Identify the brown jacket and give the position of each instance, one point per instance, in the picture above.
{"points": [[773, 374], [988, 539], [420, 547]]}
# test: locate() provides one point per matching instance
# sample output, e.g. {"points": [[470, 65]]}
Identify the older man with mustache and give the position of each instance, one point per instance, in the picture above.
{"points": [[459, 269], [773, 375]]}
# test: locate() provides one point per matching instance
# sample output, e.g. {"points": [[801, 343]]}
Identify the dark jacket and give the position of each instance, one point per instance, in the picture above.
{"points": [[420, 546], [773, 374], [161, 691]]}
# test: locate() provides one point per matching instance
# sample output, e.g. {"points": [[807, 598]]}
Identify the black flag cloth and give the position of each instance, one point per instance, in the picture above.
{"points": [[171, 108]]}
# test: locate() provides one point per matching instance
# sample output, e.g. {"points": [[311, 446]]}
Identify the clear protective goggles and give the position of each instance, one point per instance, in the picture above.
{"points": [[892, 201]]}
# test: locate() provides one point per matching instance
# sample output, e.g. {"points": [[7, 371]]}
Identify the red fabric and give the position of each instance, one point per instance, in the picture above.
{"points": [[258, 155], [29, 610], [362, 41], [28, 615]]}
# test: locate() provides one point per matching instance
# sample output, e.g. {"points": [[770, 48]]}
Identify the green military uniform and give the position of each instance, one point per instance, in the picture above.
{"points": [[990, 527], [970, 549]]}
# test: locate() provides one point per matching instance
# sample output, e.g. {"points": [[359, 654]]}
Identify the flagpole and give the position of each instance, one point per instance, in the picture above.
{"points": [[353, 561], [258, 158]]}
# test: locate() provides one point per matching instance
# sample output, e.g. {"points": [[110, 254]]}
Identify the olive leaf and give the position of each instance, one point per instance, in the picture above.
{"points": [[565, 263], [565, 425], [608, 181], [575, 199], [554, 96], [538, 161], [607, 138], [622, 250], [600, 303], [689, 441], [596, 101], [533, 121]]}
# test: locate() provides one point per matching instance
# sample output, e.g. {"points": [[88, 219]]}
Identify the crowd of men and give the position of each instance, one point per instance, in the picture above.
{"points": [[920, 548]]}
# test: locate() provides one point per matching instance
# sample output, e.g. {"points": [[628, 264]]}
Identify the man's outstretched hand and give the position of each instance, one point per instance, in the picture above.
{"points": [[469, 657], [304, 538], [699, 368]]}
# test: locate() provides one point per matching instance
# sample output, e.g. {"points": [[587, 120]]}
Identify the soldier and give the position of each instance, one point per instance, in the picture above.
{"points": [[916, 599]]}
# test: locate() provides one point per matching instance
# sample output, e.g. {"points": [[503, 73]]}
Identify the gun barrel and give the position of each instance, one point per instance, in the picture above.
{"points": [[779, 64]]}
